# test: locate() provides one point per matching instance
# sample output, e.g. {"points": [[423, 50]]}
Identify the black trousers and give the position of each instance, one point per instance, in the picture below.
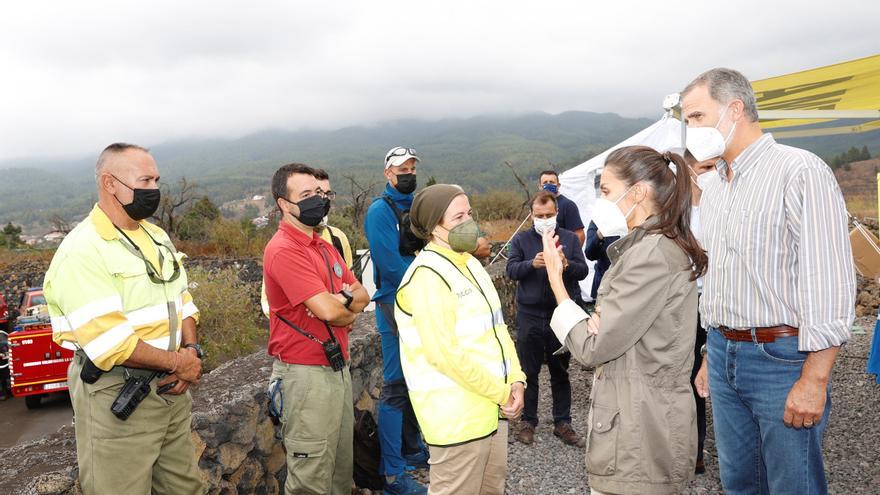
{"points": [[535, 344], [701, 402]]}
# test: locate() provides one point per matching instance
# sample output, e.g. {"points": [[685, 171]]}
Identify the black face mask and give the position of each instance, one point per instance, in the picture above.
{"points": [[406, 183], [311, 210], [326, 207], [144, 203]]}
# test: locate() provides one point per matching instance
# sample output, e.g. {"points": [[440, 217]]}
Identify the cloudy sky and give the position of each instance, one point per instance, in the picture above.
{"points": [[75, 76]]}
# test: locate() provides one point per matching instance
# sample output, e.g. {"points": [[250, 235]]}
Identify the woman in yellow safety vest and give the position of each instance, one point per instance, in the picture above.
{"points": [[457, 356]]}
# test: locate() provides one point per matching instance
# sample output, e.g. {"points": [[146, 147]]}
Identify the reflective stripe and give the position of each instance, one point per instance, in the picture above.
{"points": [[69, 345], [189, 309], [93, 310], [162, 342], [482, 322], [108, 340], [409, 336], [427, 380], [431, 379], [60, 324], [150, 314]]}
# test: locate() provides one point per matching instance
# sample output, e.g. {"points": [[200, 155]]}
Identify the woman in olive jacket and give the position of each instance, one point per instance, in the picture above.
{"points": [[642, 434]]}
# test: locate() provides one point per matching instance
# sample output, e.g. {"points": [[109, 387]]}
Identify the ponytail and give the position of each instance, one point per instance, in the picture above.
{"points": [[669, 177]]}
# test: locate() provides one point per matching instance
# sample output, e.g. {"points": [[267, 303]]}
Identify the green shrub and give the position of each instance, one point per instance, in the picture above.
{"points": [[227, 314], [497, 205], [238, 238]]}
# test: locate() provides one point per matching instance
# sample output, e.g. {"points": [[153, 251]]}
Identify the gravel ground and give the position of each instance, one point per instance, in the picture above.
{"points": [[852, 455]]}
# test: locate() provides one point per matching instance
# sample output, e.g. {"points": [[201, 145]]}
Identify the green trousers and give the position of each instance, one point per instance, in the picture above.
{"points": [[318, 427], [151, 451]]}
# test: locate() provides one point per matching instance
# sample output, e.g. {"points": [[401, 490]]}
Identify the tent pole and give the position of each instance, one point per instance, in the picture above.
{"points": [[511, 238]]}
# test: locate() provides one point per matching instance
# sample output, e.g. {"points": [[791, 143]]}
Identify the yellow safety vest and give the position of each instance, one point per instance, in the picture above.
{"points": [[102, 300], [448, 414]]}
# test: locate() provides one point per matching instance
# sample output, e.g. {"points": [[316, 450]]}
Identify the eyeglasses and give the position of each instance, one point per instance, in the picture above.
{"points": [[401, 151], [152, 273], [331, 195]]}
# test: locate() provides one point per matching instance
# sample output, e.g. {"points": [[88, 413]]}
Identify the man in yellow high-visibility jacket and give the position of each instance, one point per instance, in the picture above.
{"points": [[117, 294]]}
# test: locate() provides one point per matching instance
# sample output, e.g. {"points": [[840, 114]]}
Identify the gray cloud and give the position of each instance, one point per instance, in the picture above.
{"points": [[78, 75]]}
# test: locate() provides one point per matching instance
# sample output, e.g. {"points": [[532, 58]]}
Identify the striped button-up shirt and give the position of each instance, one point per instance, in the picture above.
{"points": [[778, 246]]}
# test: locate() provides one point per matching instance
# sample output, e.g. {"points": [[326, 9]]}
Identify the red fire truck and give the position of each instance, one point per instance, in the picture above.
{"points": [[37, 365]]}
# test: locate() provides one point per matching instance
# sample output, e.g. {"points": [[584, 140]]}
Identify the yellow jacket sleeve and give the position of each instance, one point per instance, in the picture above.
{"points": [[86, 309], [433, 307], [515, 374]]}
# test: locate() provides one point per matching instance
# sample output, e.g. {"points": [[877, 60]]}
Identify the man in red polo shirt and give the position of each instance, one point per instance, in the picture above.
{"points": [[313, 300]]}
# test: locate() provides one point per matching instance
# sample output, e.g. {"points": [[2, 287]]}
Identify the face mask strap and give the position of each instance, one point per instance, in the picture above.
{"points": [[624, 194]]}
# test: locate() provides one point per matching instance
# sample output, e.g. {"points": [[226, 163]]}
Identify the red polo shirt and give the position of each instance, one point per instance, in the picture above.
{"points": [[295, 270]]}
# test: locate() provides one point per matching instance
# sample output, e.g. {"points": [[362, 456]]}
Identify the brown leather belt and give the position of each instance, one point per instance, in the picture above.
{"points": [[763, 335]]}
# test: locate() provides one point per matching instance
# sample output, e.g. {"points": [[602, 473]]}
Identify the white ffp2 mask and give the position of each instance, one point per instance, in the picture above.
{"points": [[609, 220], [707, 142], [544, 224]]}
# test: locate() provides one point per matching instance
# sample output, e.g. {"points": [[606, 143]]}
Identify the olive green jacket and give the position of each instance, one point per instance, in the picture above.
{"points": [[642, 433]]}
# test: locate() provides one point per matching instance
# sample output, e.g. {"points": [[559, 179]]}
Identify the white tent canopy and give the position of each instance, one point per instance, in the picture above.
{"points": [[580, 182]]}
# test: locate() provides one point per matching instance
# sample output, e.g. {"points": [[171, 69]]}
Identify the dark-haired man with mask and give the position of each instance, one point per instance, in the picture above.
{"points": [[778, 295], [569, 216], [393, 247], [118, 296], [313, 300]]}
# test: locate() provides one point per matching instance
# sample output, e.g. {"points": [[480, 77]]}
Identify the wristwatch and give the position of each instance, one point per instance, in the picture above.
{"points": [[349, 297], [199, 351], [703, 350]]}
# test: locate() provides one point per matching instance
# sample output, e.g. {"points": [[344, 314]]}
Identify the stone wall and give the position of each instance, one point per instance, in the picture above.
{"points": [[15, 279], [235, 441]]}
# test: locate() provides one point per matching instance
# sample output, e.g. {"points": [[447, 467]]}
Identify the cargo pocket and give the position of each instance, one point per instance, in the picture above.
{"points": [[602, 441], [307, 466]]}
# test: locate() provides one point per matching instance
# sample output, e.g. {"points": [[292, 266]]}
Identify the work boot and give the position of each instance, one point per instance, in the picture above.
{"points": [[404, 484], [526, 433], [568, 436]]}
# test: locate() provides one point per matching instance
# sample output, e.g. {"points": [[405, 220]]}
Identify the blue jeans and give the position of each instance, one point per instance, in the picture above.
{"points": [[757, 453]]}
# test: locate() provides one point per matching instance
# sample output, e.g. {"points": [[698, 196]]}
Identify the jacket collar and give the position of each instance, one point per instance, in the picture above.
{"points": [[105, 228], [397, 196], [460, 259], [622, 245]]}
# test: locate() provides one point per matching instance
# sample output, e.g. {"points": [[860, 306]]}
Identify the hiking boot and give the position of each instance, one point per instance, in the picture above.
{"points": [[404, 484], [419, 460], [526, 433], [568, 436]]}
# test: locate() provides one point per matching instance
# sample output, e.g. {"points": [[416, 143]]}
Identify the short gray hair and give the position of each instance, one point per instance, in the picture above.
{"points": [[726, 85], [115, 149]]}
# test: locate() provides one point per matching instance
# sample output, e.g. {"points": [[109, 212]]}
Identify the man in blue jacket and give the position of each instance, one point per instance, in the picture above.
{"points": [[392, 249], [535, 304]]}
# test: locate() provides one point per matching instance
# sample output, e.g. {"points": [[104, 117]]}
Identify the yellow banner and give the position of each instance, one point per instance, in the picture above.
{"points": [[853, 85]]}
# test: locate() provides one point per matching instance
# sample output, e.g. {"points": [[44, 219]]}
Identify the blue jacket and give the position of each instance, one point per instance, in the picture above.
{"points": [[595, 249], [533, 294], [380, 226]]}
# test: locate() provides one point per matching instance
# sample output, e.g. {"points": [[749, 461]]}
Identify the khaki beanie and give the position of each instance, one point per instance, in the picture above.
{"points": [[429, 206]]}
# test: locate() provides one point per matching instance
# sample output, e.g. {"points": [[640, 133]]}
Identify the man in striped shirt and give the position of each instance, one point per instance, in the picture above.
{"points": [[117, 294], [778, 298]]}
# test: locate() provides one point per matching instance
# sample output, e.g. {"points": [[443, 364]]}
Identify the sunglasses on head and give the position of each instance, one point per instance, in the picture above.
{"points": [[401, 151]]}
